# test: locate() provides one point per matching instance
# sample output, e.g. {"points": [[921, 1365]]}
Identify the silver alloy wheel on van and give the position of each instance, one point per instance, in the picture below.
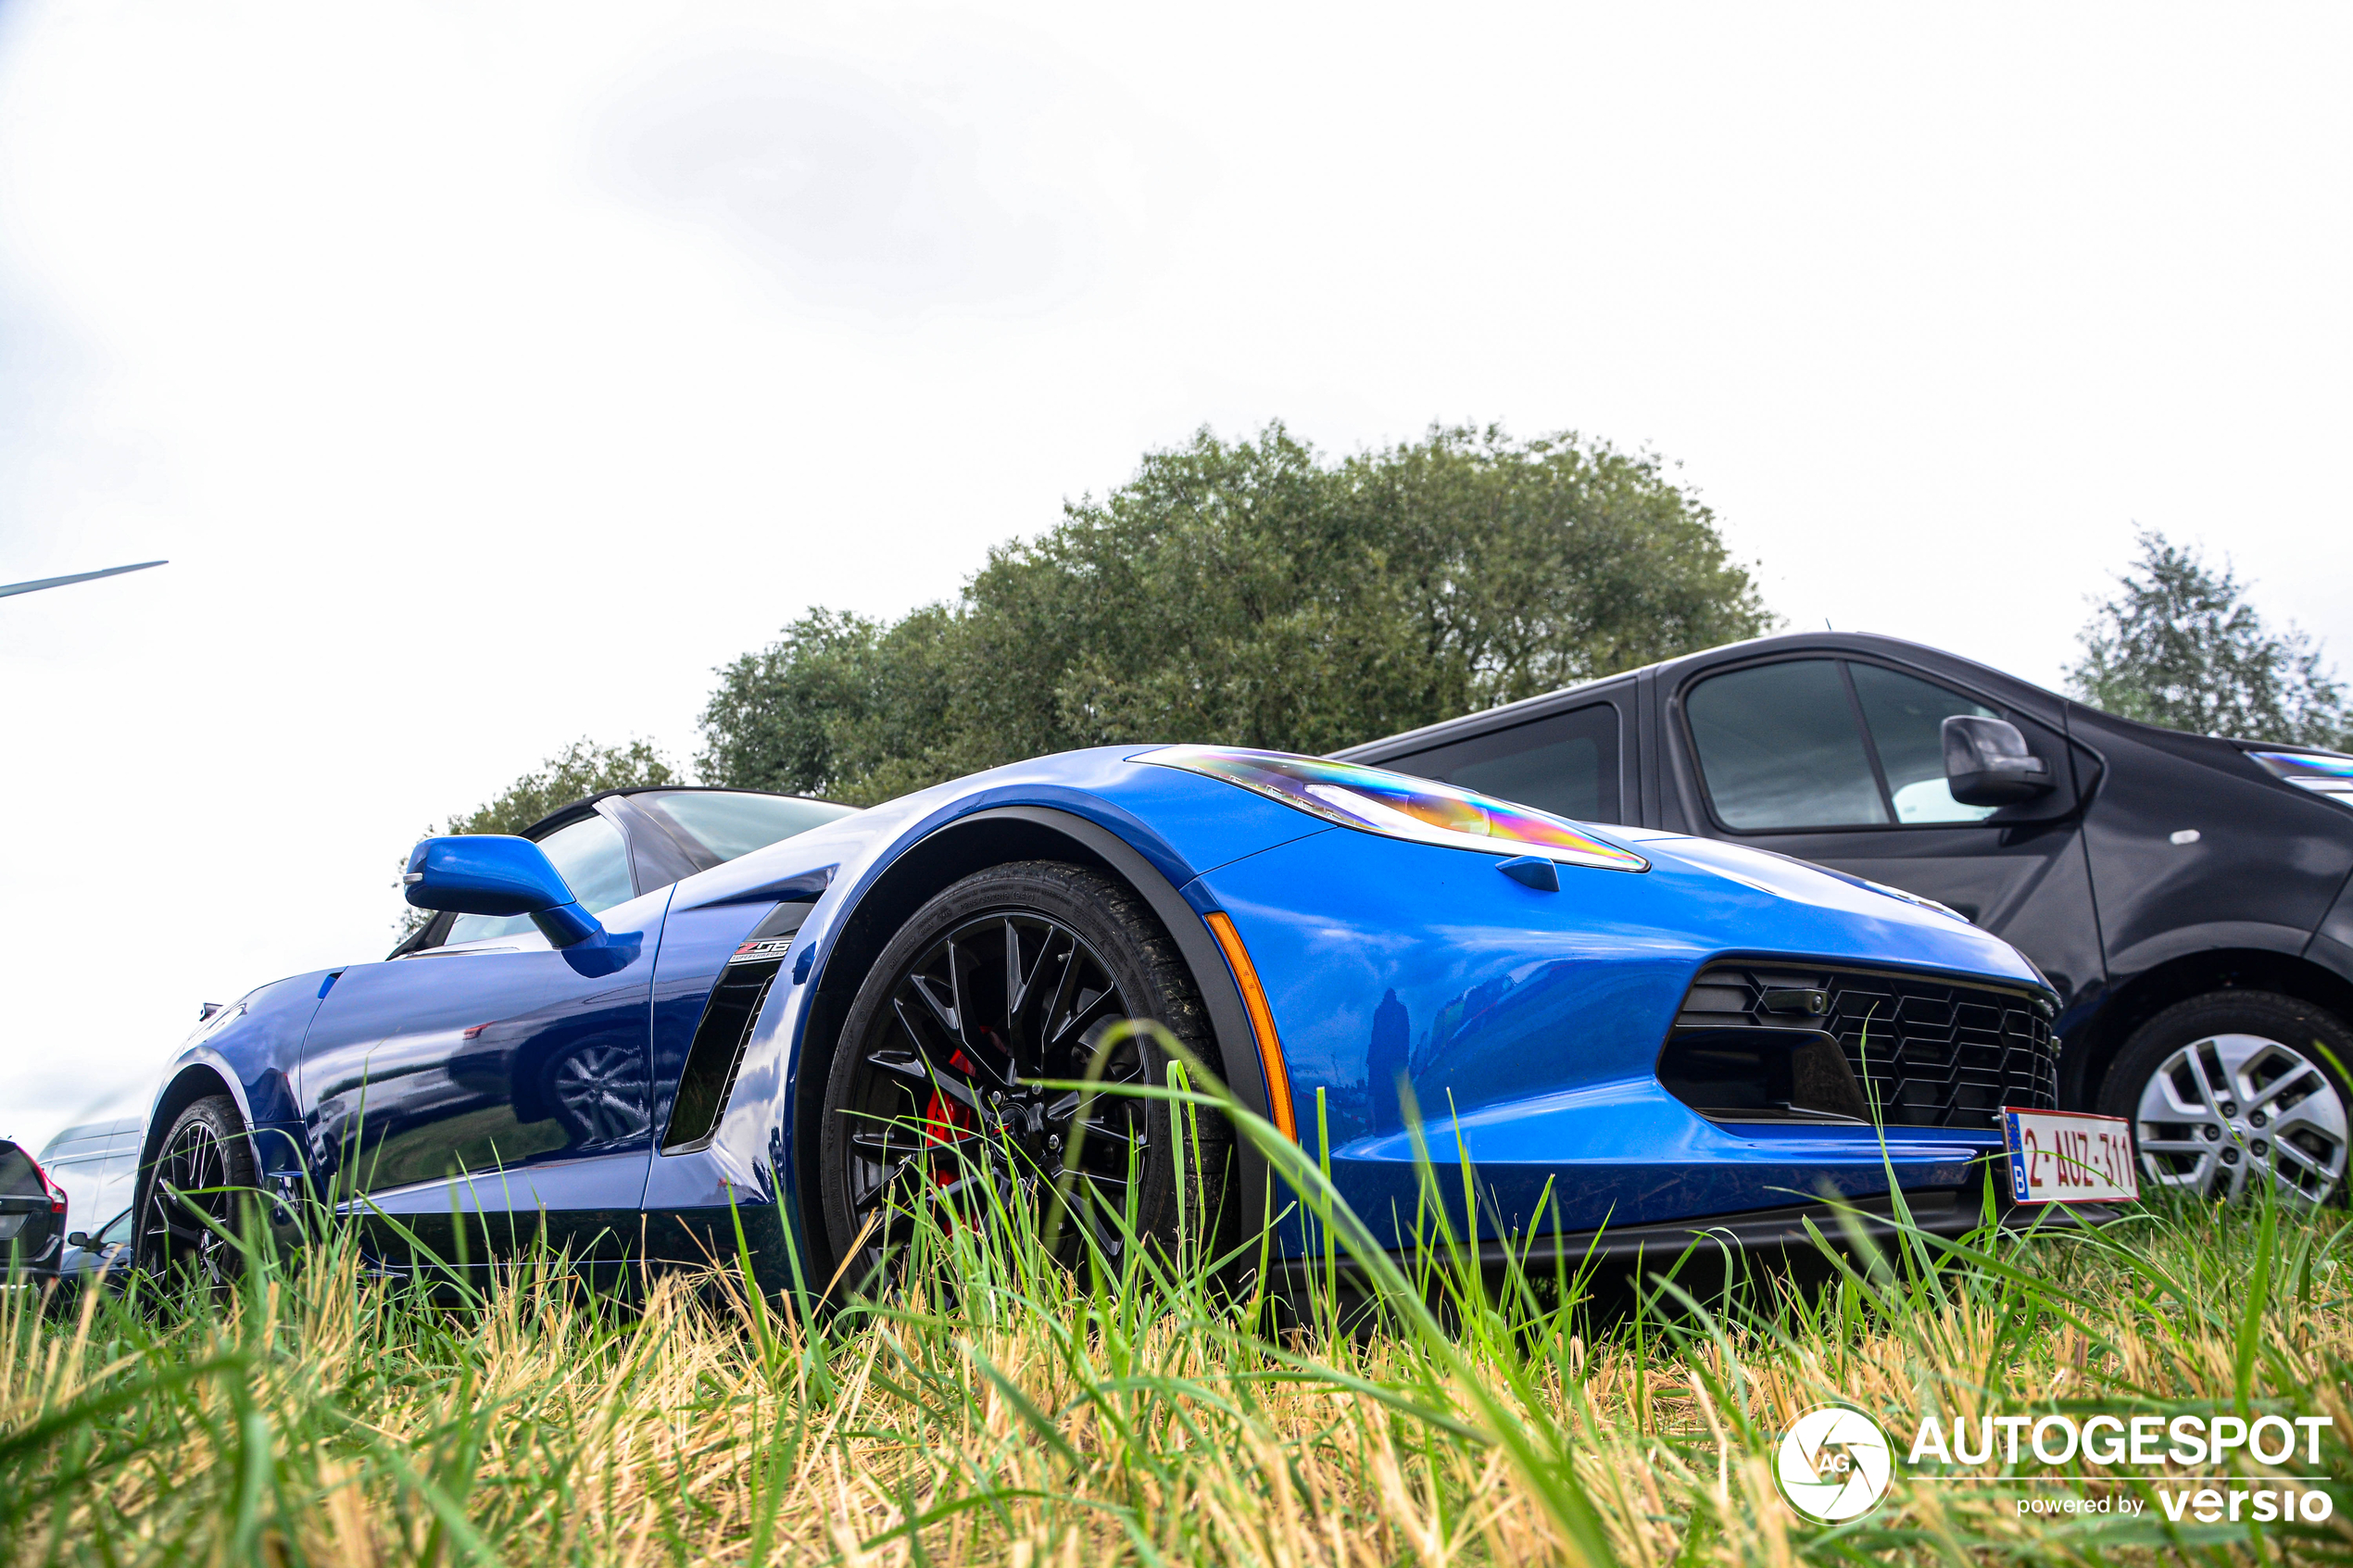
{"points": [[2223, 1108]]}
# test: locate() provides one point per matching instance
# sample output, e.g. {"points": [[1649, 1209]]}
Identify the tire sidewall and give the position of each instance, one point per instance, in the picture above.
{"points": [[2287, 1020], [1108, 919], [220, 1113]]}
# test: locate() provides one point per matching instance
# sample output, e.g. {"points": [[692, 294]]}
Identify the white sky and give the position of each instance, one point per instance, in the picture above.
{"points": [[490, 374]]}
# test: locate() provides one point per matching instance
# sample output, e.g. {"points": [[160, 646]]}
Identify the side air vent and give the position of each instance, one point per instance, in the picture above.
{"points": [[717, 1052]]}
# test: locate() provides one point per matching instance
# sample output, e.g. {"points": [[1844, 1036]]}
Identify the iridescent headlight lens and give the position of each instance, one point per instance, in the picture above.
{"points": [[2323, 774], [1373, 800]]}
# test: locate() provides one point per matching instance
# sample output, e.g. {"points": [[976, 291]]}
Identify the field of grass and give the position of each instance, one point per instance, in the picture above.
{"points": [[996, 1407]]}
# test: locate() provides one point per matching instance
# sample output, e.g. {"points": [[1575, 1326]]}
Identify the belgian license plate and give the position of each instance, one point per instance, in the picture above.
{"points": [[2070, 1156]]}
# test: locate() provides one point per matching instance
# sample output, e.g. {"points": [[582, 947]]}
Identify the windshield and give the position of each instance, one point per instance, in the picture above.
{"points": [[729, 824]]}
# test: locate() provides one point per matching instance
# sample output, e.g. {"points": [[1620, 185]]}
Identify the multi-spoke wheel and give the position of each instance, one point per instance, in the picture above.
{"points": [[938, 1097], [204, 1172], [2230, 1091]]}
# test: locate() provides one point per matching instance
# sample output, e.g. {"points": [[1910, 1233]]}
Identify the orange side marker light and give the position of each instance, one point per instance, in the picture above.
{"points": [[1262, 1024]]}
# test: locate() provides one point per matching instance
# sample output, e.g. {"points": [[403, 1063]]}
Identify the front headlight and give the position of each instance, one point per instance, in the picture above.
{"points": [[2328, 776], [1374, 800]]}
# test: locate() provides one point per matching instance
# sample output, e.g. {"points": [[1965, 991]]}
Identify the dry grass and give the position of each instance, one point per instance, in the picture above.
{"points": [[998, 1410]]}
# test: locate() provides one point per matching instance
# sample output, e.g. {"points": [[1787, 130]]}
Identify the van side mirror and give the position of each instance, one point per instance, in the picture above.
{"points": [[1986, 762], [495, 873]]}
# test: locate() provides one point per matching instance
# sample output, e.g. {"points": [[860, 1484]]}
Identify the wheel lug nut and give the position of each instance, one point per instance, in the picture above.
{"points": [[2230, 1156], [2211, 1131], [2229, 1108], [2257, 1120], [2259, 1148]]}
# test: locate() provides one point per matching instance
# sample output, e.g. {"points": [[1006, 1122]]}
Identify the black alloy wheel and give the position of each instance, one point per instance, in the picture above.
{"points": [[205, 1171], [936, 1097]]}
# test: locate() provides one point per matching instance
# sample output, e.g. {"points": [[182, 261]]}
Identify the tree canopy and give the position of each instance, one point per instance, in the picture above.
{"points": [[2179, 645], [1250, 592]]}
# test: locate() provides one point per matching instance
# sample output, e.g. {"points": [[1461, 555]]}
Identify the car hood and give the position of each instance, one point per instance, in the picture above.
{"points": [[1934, 928], [1187, 825]]}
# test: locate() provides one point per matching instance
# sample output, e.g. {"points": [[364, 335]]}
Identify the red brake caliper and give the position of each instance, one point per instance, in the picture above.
{"points": [[945, 1121]]}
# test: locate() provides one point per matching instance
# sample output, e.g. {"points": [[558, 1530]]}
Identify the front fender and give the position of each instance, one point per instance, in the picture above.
{"points": [[2182, 941], [258, 1054], [1159, 828], [1526, 1025]]}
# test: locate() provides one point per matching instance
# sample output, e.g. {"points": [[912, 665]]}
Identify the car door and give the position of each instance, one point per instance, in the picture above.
{"points": [[1839, 759], [495, 1074]]}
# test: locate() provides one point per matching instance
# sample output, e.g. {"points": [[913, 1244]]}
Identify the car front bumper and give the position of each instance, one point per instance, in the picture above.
{"points": [[1700, 1254]]}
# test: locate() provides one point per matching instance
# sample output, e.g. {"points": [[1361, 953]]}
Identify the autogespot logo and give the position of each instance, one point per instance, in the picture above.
{"points": [[1833, 1465]]}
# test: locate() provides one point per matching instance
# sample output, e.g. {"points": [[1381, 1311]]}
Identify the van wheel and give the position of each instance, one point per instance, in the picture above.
{"points": [[204, 1172], [2236, 1089]]}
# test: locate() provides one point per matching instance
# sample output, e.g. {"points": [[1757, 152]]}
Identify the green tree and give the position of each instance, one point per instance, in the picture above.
{"points": [[581, 768], [841, 707], [2179, 645], [1251, 593]]}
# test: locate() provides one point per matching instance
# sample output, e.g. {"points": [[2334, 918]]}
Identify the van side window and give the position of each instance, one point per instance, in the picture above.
{"points": [[1566, 764], [1906, 719], [1778, 747]]}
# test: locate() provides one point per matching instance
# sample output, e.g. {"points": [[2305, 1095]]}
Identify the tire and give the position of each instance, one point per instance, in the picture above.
{"points": [[931, 1095], [2225, 1085], [204, 1169]]}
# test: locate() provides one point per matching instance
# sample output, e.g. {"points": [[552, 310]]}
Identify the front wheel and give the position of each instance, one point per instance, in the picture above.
{"points": [[939, 1095], [203, 1175], [2232, 1090]]}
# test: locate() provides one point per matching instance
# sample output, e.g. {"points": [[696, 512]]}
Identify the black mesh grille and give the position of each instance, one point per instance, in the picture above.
{"points": [[1931, 1053]]}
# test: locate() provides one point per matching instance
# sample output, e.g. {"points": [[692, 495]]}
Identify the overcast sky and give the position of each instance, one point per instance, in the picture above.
{"points": [[489, 375]]}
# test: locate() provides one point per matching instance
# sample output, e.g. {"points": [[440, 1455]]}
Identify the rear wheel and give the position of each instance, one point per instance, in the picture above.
{"points": [[204, 1171], [938, 1095], [2230, 1091]]}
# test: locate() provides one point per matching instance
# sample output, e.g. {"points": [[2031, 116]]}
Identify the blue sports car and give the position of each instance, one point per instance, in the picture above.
{"points": [[662, 1010]]}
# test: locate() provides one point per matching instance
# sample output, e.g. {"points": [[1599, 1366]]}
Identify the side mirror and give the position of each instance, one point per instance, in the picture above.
{"points": [[492, 873], [1986, 762], [81, 1239]]}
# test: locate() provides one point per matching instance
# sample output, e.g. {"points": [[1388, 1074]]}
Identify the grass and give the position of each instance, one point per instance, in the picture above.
{"points": [[995, 1407]]}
